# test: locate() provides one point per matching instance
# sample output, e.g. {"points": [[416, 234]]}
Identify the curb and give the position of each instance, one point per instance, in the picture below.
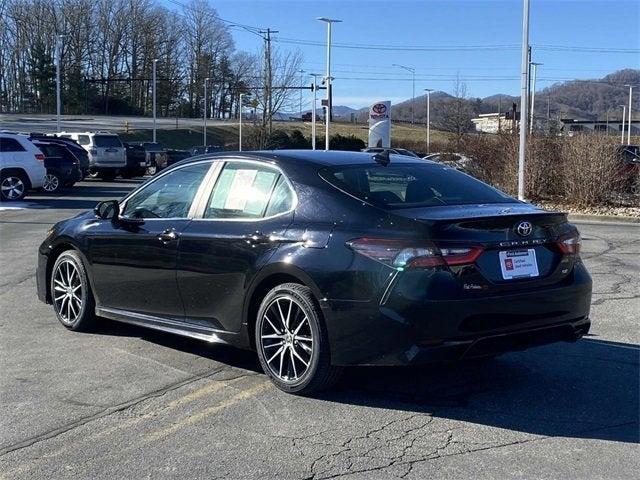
{"points": [[586, 218]]}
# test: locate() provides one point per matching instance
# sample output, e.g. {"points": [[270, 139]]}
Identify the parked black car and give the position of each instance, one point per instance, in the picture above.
{"points": [[137, 162], [74, 147], [63, 168], [322, 259], [175, 156], [629, 169]]}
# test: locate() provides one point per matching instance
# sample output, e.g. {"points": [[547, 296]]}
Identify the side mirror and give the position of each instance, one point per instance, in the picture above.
{"points": [[107, 210]]}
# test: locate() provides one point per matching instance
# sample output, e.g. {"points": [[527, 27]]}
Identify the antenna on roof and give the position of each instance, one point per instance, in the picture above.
{"points": [[382, 158]]}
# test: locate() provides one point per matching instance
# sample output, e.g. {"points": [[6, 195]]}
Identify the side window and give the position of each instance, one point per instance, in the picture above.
{"points": [[169, 196], [83, 139], [248, 190], [10, 145]]}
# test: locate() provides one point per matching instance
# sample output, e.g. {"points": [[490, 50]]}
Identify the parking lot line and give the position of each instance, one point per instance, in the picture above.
{"points": [[212, 410]]}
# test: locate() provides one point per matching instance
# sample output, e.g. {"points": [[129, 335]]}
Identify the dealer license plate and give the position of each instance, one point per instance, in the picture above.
{"points": [[518, 264]]}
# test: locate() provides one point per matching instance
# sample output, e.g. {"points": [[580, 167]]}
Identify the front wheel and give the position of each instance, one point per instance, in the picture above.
{"points": [[292, 342], [71, 294]]}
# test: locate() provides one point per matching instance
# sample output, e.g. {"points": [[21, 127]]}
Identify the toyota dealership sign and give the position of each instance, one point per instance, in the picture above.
{"points": [[380, 124]]}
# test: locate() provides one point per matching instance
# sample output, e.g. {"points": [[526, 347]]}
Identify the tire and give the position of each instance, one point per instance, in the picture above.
{"points": [[297, 359], [108, 176], [75, 312], [13, 186], [152, 170], [92, 174], [52, 183]]}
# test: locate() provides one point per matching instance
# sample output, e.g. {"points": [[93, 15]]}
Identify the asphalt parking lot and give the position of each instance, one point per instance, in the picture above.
{"points": [[124, 402]]}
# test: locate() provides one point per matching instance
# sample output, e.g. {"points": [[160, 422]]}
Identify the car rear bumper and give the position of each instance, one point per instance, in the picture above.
{"points": [[402, 332]]}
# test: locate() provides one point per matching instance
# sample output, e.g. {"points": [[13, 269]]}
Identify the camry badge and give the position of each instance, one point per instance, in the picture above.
{"points": [[524, 229]]}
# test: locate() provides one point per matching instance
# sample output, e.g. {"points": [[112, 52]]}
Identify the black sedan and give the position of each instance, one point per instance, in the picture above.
{"points": [[318, 260]]}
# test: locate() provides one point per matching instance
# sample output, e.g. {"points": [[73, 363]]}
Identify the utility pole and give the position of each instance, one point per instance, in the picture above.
{"points": [[413, 97], [524, 83], [428, 90], [155, 61], [624, 114], [301, 80], [204, 116], [629, 113], [533, 96], [313, 110], [268, 75], [328, 79], [58, 55], [499, 113]]}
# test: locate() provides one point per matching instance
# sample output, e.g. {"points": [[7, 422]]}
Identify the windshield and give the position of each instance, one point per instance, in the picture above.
{"points": [[412, 185], [106, 141]]}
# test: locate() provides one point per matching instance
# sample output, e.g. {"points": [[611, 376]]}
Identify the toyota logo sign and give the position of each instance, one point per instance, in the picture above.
{"points": [[379, 108], [524, 229]]}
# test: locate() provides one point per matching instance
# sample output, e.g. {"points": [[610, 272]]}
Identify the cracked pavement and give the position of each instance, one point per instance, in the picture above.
{"points": [[125, 402]]}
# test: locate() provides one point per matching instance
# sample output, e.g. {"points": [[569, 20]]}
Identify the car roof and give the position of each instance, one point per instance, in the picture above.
{"points": [[319, 158]]}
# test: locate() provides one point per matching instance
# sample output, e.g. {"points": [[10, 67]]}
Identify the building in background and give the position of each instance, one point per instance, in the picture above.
{"points": [[611, 127]]}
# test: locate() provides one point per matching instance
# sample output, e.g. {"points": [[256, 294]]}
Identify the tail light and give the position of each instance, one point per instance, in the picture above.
{"points": [[39, 157], [403, 254], [570, 244]]}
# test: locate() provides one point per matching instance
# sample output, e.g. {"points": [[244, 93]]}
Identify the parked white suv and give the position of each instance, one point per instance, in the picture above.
{"points": [[107, 154], [21, 166]]}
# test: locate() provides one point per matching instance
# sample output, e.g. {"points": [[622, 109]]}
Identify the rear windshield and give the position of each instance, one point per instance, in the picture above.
{"points": [[106, 141], [412, 185]]}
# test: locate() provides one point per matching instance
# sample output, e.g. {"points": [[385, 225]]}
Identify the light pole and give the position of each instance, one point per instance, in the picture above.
{"points": [[413, 95], [313, 110], [204, 116], [155, 62], [58, 55], [629, 113], [533, 96], [428, 90], [524, 82], [624, 114], [301, 80], [240, 121], [328, 21]]}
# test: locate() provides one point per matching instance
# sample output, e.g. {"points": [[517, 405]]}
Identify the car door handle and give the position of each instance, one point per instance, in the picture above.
{"points": [[169, 235], [257, 238]]}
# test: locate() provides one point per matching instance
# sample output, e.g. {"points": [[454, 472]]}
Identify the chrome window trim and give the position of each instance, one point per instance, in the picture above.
{"points": [[223, 161], [151, 181]]}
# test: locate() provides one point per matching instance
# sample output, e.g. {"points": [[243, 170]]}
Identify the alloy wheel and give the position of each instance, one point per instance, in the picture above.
{"points": [[12, 188], [51, 183], [286, 338], [68, 291]]}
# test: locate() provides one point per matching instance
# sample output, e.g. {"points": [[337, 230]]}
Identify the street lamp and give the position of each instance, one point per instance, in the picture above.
{"points": [[624, 114], [313, 110], [413, 97], [428, 90], [155, 62], [58, 55], [533, 96], [204, 116], [629, 113], [524, 83], [301, 80], [328, 21], [240, 121]]}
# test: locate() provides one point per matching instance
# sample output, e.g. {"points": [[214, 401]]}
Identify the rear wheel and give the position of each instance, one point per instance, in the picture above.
{"points": [[71, 294], [13, 186], [291, 340], [51, 183], [152, 170]]}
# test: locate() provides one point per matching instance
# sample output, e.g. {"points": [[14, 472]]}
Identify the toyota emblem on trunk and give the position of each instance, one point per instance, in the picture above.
{"points": [[524, 229]]}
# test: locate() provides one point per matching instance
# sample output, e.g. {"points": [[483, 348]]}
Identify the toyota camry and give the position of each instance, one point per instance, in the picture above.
{"points": [[319, 260]]}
